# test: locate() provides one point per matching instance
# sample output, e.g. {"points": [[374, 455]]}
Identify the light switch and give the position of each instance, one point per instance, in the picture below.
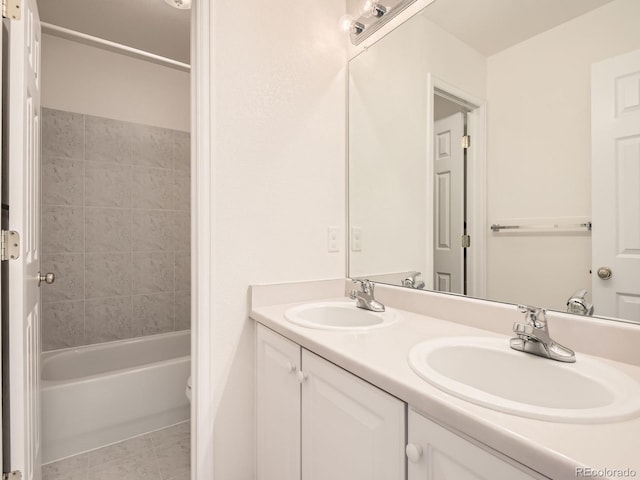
{"points": [[356, 239], [332, 239]]}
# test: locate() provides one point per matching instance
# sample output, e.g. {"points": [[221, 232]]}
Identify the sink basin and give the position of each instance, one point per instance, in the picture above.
{"points": [[339, 316], [487, 372]]}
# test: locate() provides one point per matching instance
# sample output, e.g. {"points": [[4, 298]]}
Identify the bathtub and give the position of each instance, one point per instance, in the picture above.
{"points": [[100, 394]]}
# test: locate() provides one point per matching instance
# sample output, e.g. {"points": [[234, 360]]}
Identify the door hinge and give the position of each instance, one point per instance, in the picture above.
{"points": [[466, 141], [466, 241], [15, 475], [11, 9], [9, 245]]}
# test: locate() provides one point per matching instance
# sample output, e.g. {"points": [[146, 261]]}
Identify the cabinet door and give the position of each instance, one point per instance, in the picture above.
{"points": [[278, 407], [435, 453], [351, 430]]}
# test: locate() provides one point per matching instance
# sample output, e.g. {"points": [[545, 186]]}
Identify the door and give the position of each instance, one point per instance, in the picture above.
{"points": [[435, 453], [449, 204], [24, 197], [615, 172], [277, 407], [351, 430]]}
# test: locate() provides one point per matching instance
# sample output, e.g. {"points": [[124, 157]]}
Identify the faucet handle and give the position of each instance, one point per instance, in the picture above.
{"points": [[535, 316], [365, 284]]}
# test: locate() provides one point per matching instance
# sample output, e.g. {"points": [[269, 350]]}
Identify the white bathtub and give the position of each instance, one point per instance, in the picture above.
{"points": [[100, 394]]}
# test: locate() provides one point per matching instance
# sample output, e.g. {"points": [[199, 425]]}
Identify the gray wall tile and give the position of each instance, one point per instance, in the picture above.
{"points": [[62, 134], [182, 191], [183, 311], [183, 272], [153, 314], [107, 229], [107, 185], [182, 231], [69, 271], [62, 181], [63, 325], [182, 151], [152, 272], [107, 274], [152, 230], [62, 229], [107, 140], [107, 319], [152, 188], [152, 146], [115, 222]]}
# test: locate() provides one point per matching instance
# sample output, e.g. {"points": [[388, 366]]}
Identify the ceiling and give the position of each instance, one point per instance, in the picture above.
{"points": [[149, 25], [490, 26]]}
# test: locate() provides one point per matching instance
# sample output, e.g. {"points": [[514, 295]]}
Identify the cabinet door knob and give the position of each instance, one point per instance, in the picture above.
{"points": [[605, 273], [291, 367], [302, 376], [414, 452]]}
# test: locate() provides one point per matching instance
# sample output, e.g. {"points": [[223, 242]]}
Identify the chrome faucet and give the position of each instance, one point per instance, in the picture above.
{"points": [[364, 298], [578, 305], [411, 281], [533, 336]]}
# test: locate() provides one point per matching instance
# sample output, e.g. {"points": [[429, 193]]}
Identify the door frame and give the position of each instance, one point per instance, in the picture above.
{"points": [[202, 260], [476, 181]]}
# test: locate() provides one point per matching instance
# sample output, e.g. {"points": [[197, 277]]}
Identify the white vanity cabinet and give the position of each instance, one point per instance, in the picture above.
{"points": [[277, 407], [435, 453], [315, 421]]}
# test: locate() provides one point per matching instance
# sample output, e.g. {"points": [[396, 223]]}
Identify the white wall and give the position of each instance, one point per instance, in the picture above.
{"points": [[387, 145], [279, 181], [89, 80], [539, 157]]}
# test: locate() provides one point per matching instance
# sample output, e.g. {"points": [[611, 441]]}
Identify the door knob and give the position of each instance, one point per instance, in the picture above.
{"points": [[47, 278], [414, 452], [605, 273]]}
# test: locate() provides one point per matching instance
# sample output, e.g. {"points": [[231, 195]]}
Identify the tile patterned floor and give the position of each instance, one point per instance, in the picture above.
{"points": [[160, 455]]}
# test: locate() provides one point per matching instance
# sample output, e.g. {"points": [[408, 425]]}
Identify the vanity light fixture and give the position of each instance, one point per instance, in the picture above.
{"points": [[373, 15], [181, 4]]}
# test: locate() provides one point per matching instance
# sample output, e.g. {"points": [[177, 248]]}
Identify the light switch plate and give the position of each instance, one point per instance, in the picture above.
{"points": [[356, 239], [332, 239]]}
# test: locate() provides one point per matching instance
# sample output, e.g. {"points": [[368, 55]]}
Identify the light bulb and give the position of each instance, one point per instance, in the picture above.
{"points": [[371, 8], [345, 23], [181, 4]]}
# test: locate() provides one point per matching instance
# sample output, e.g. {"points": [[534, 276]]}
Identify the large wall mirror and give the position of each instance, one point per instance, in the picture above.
{"points": [[494, 151]]}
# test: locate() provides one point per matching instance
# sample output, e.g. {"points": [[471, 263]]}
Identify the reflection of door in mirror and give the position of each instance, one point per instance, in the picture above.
{"points": [[615, 97], [449, 211]]}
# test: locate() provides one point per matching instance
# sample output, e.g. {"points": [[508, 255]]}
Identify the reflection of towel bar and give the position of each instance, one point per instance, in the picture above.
{"points": [[551, 227]]}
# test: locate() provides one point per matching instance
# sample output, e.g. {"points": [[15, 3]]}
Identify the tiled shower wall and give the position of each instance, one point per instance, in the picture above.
{"points": [[115, 229]]}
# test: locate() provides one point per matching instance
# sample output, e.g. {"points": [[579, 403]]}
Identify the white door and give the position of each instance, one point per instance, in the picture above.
{"points": [[615, 172], [24, 198], [351, 430], [278, 407], [435, 453], [449, 204]]}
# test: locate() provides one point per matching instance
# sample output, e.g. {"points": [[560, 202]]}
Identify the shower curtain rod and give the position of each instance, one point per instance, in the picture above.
{"points": [[112, 46]]}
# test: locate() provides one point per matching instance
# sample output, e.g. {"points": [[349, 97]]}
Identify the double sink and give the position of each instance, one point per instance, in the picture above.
{"points": [[485, 371]]}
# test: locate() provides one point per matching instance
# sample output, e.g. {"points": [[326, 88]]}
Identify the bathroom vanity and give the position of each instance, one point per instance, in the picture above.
{"points": [[345, 403]]}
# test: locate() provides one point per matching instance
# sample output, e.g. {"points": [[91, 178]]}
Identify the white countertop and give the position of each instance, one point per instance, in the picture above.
{"points": [[380, 357]]}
